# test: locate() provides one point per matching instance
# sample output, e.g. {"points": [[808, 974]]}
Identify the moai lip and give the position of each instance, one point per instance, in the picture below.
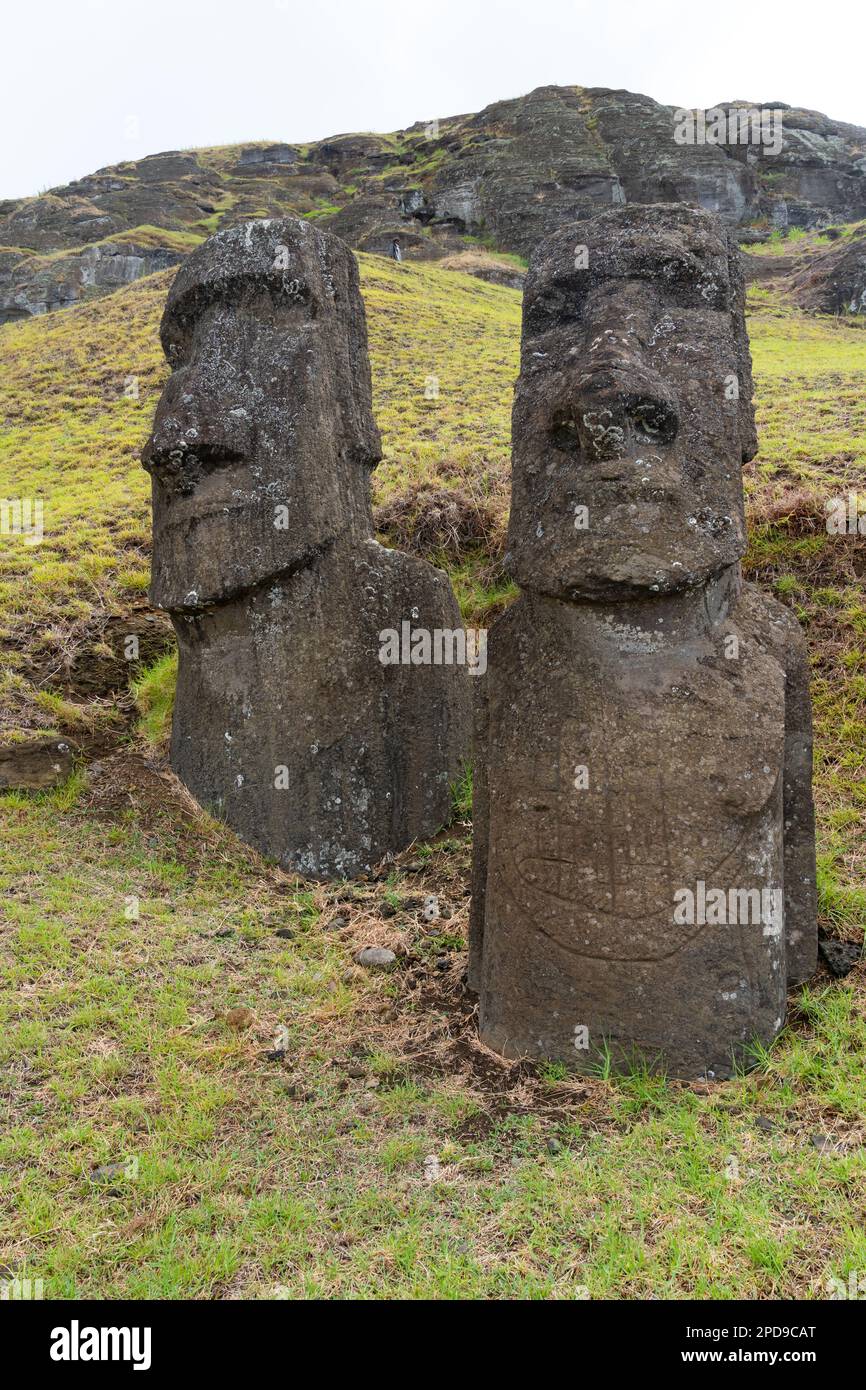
{"points": [[644, 871], [286, 722]]}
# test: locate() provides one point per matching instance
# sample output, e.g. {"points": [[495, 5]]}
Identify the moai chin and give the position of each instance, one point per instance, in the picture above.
{"points": [[287, 724], [644, 872]]}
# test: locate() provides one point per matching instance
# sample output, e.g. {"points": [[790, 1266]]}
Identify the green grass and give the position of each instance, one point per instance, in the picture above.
{"points": [[147, 235], [810, 401], [811, 413], [461, 796], [153, 691], [784, 241], [251, 1177], [132, 925]]}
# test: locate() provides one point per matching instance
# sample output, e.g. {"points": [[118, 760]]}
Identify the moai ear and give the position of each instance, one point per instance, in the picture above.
{"points": [[748, 432], [363, 442]]}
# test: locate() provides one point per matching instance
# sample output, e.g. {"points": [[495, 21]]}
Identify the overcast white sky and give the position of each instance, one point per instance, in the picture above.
{"points": [[87, 83]]}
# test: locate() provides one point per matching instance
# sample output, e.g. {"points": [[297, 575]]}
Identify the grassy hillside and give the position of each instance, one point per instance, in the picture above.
{"points": [[162, 1136]]}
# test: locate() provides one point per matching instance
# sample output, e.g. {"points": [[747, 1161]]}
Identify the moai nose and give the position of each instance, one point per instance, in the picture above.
{"points": [[616, 409], [195, 433]]}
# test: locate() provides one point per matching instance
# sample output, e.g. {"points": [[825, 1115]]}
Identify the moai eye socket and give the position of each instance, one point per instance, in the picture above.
{"points": [[654, 420], [563, 432]]}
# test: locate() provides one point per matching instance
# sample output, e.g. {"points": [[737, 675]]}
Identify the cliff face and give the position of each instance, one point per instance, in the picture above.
{"points": [[34, 284], [509, 176]]}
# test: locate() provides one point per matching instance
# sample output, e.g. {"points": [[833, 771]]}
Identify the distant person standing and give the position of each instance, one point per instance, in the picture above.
{"points": [[396, 253]]}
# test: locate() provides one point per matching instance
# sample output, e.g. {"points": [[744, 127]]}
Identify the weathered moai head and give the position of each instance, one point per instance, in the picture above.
{"points": [[264, 437], [633, 413]]}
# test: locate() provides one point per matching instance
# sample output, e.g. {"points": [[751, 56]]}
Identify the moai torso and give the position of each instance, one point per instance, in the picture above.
{"points": [[287, 724], [630, 870]]}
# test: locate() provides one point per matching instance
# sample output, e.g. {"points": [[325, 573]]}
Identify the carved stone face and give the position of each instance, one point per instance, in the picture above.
{"points": [[264, 436], [633, 412]]}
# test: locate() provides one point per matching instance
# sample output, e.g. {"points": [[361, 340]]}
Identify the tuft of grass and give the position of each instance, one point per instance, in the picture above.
{"points": [[153, 691], [461, 795]]}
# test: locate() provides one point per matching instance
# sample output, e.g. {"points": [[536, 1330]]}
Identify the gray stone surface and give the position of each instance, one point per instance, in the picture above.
{"points": [[376, 957], [645, 724], [32, 284], [35, 761], [286, 723]]}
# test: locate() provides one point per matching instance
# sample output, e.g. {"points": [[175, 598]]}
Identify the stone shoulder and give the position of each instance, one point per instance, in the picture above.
{"points": [[772, 623]]}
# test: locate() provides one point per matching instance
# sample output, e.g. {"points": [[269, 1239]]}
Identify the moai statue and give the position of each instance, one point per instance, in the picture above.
{"points": [[287, 724], [644, 876]]}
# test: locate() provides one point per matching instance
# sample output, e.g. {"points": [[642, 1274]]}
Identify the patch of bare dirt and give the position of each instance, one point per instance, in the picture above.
{"points": [[125, 779]]}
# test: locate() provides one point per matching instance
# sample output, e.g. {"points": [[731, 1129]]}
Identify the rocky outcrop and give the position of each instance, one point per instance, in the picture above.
{"points": [[560, 152], [487, 267], [34, 762], [55, 222], [834, 282], [32, 284], [258, 157], [819, 176], [507, 176], [163, 191]]}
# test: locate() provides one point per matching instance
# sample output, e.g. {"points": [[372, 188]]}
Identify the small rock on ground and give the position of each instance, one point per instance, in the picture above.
{"points": [[840, 957], [375, 957]]}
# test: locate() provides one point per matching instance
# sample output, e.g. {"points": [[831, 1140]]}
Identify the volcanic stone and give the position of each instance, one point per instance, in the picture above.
{"points": [[375, 957], [35, 761], [287, 725], [644, 872]]}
